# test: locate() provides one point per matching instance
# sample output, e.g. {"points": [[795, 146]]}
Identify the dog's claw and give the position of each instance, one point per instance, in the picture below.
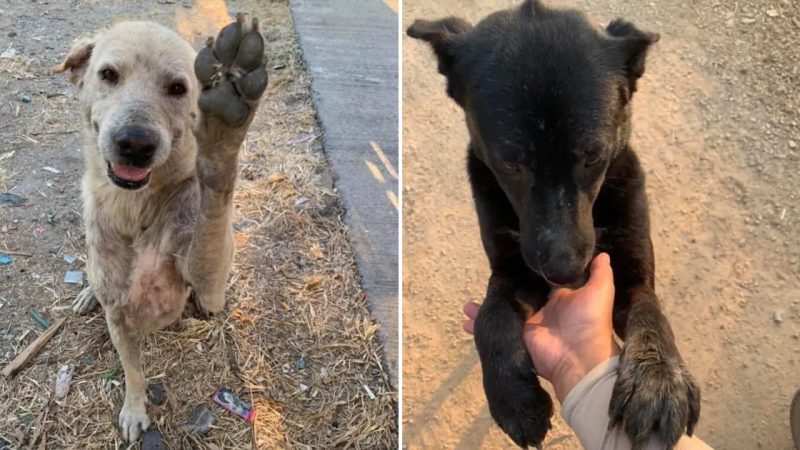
{"points": [[133, 420], [85, 302], [231, 72]]}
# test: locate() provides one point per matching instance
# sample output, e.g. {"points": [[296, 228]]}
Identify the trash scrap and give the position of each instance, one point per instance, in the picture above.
{"points": [[51, 169], [369, 392], [73, 277], [39, 319], [25, 98], [17, 363], [199, 421], [63, 379], [10, 52], [12, 199], [69, 259], [301, 138], [5, 259], [228, 400]]}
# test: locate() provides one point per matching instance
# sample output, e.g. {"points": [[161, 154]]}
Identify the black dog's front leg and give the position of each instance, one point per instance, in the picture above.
{"points": [[655, 395], [517, 402]]}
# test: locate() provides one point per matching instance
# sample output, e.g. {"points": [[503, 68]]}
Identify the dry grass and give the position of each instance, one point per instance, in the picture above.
{"points": [[294, 292]]}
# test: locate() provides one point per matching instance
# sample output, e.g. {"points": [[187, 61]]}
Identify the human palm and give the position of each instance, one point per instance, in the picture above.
{"points": [[573, 333]]}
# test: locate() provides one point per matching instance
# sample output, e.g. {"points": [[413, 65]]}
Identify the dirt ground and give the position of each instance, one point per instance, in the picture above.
{"points": [[716, 126], [296, 339]]}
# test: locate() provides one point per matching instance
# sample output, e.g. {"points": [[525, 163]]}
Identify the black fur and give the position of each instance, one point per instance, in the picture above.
{"points": [[547, 103]]}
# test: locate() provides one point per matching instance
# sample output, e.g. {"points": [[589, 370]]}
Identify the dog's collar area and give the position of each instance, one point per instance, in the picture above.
{"points": [[126, 184]]}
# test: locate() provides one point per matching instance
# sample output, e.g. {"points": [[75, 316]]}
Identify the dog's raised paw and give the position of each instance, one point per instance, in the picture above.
{"points": [[231, 72], [654, 396], [85, 302], [133, 420]]}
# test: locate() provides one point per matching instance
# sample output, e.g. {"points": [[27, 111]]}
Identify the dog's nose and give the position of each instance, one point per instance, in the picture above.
{"points": [[136, 145], [565, 268]]}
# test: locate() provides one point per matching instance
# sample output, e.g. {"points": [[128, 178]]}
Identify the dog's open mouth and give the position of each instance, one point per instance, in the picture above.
{"points": [[128, 177]]}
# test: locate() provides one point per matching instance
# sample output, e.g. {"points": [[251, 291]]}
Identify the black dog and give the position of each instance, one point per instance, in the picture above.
{"points": [[547, 102]]}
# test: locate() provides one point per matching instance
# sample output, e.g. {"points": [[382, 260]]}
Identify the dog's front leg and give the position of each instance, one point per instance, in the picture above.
{"points": [[133, 417], [232, 75], [517, 401], [655, 395]]}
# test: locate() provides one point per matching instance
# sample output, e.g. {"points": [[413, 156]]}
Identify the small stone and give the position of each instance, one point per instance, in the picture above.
{"points": [[792, 144], [777, 316], [773, 12], [323, 373], [303, 387], [25, 98], [153, 440], [199, 421], [12, 199], [748, 20], [286, 368], [63, 379], [69, 259]]}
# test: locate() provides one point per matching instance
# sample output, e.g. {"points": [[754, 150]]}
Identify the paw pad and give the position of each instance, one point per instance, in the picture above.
{"points": [[231, 71]]}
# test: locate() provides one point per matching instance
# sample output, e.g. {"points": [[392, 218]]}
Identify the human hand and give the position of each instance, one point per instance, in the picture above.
{"points": [[573, 333]]}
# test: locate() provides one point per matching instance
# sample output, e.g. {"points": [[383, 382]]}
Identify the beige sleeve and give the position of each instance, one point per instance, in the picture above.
{"points": [[586, 411]]}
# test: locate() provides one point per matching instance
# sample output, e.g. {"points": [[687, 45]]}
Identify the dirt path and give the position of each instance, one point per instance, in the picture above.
{"points": [[716, 125], [296, 339]]}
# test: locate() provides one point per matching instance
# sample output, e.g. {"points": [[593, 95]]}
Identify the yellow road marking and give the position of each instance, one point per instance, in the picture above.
{"points": [[376, 172], [392, 4], [393, 199], [382, 156]]}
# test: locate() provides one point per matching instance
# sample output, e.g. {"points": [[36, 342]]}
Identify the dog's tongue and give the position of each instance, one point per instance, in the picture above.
{"points": [[130, 173]]}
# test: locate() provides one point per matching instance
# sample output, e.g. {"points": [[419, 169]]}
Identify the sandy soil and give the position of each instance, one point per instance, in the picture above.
{"points": [[716, 125], [296, 339]]}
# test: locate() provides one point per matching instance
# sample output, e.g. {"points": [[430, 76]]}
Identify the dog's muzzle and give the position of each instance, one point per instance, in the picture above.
{"points": [[134, 150]]}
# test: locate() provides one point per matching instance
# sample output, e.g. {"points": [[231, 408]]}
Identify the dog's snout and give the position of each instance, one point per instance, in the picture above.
{"points": [[561, 262], [136, 145], [565, 267]]}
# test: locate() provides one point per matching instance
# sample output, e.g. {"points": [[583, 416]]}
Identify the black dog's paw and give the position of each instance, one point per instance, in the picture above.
{"points": [[521, 408], [654, 396], [231, 72]]}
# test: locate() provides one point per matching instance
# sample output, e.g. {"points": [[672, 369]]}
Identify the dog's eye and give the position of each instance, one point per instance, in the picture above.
{"points": [[176, 89], [591, 160], [109, 75]]}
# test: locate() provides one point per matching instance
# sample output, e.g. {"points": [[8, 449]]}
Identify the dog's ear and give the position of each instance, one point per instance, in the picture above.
{"points": [[531, 7], [76, 61], [443, 35], [633, 44]]}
